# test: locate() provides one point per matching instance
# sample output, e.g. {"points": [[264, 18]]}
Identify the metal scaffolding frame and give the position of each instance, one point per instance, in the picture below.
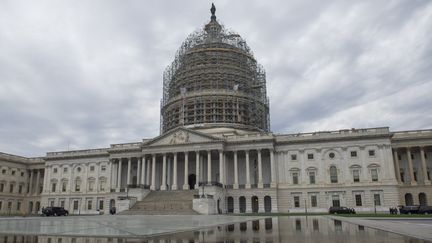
{"points": [[214, 80]]}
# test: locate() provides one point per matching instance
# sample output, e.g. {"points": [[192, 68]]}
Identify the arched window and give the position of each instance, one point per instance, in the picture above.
{"points": [[333, 174], [422, 199], [409, 199], [254, 201]]}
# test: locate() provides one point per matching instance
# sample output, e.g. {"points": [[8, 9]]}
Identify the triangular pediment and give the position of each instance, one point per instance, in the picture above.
{"points": [[181, 136]]}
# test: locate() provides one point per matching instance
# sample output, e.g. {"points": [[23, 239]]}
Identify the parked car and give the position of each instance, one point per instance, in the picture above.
{"points": [[55, 211], [425, 210], [409, 209], [341, 210]]}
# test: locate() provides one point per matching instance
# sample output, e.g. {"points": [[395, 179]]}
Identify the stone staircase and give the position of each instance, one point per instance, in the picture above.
{"points": [[164, 203]]}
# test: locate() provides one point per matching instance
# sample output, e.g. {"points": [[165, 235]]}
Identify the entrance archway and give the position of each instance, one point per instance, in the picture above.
{"points": [[192, 181], [230, 204], [422, 199], [254, 202], [409, 199], [30, 209]]}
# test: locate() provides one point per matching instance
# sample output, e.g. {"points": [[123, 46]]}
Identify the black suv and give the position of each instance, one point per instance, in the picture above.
{"points": [[409, 209], [425, 210], [341, 210], [54, 211]]}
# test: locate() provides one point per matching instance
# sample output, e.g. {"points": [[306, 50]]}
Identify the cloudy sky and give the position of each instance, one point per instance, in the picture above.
{"points": [[85, 74]]}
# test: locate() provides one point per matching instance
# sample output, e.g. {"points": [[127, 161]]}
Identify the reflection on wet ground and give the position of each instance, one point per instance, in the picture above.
{"points": [[276, 229]]}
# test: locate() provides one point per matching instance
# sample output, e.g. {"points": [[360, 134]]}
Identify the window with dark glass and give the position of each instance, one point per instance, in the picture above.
{"points": [[296, 201], [333, 174], [353, 154], [377, 199], [371, 152], [310, 156], [314, 201], [358, 200], [312, 177], [295, 178], [374, 174], [356, 175], [293, 156]]}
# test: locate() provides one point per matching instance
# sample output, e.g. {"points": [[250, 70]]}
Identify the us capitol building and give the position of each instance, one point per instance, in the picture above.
{"points": [[217, 154]]}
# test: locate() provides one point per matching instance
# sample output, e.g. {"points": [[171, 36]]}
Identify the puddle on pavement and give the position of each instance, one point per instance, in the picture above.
{"points": [[276, 229]]}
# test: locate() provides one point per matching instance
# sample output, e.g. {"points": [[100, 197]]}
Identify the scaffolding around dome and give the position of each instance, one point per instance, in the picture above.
{"points": [[214, 80]]}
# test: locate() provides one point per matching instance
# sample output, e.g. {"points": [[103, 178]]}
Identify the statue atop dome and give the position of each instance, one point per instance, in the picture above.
{"points": [[213, 11]]}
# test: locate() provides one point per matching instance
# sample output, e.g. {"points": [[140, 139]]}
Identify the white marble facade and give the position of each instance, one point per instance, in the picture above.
{"points": [[255, 171]]}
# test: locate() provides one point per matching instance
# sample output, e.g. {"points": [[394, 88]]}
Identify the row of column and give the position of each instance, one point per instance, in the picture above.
{"points": [[145, 167], [410, 165], [30, 182]]}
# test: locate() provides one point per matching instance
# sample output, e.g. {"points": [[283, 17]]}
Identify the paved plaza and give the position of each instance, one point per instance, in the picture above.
{"points": [[119, 225], [414, 227]]}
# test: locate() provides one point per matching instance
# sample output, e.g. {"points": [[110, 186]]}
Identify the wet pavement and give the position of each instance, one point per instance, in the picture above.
{"points": [[141, 228]]}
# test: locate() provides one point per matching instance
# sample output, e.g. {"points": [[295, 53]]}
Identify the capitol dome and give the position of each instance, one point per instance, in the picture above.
{"points": [[215, 82]]}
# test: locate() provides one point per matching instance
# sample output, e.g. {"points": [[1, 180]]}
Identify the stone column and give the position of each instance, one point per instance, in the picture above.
{"points": [[424, 167], [143, 170], [119, 174], [410, 166], [138, 176], [174, 183], [209, 164], [163, 186], [397, 166], [197, 155], [221, 170], [37, 181], [153, 176], [186, 171], [248, 185], [235, 186], [30, 183], [128, 172], [148, 171], [272, 169], [46, 179], [260, 176], [168, 173], [110, 185]]}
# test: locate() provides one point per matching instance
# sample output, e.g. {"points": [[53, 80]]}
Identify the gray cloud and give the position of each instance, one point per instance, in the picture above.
{"points": [[86, 74]]}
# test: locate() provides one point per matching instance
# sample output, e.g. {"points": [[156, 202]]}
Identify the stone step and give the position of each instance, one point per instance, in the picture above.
{"points": [[165, 203]]}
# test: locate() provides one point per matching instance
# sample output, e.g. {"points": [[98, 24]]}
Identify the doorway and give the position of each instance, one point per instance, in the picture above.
{"points": [[192, 181], [254, 204]]}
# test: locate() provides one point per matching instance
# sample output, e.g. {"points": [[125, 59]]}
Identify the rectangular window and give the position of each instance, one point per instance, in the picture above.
{"points": [[353, 154], [77, 187], [295, 178], [335, 201], [371, 153], [1, 205], [356, 175], [64, 185], [9, 205], [399, 157], [20, 189], [102, 186], [101, 205], [89, 205], [75, 205], [412, 156], [52, 203], [22, 174], [297, 201], [1, 187], [18, 206], [293, 156], [65, 169], [3, 172], [374, 174], [92, 168], [358, 200], [415, 175], [310, 156], [11, 188], [312, 177], [54, 170], [103, 168], [13, 172], [314, 201], [53, 187], [91, 186], [377, 199], [62, 203]]}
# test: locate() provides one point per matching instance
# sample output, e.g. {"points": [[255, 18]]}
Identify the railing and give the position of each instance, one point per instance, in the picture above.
{"points": [[196, 196], [210, 183]]}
